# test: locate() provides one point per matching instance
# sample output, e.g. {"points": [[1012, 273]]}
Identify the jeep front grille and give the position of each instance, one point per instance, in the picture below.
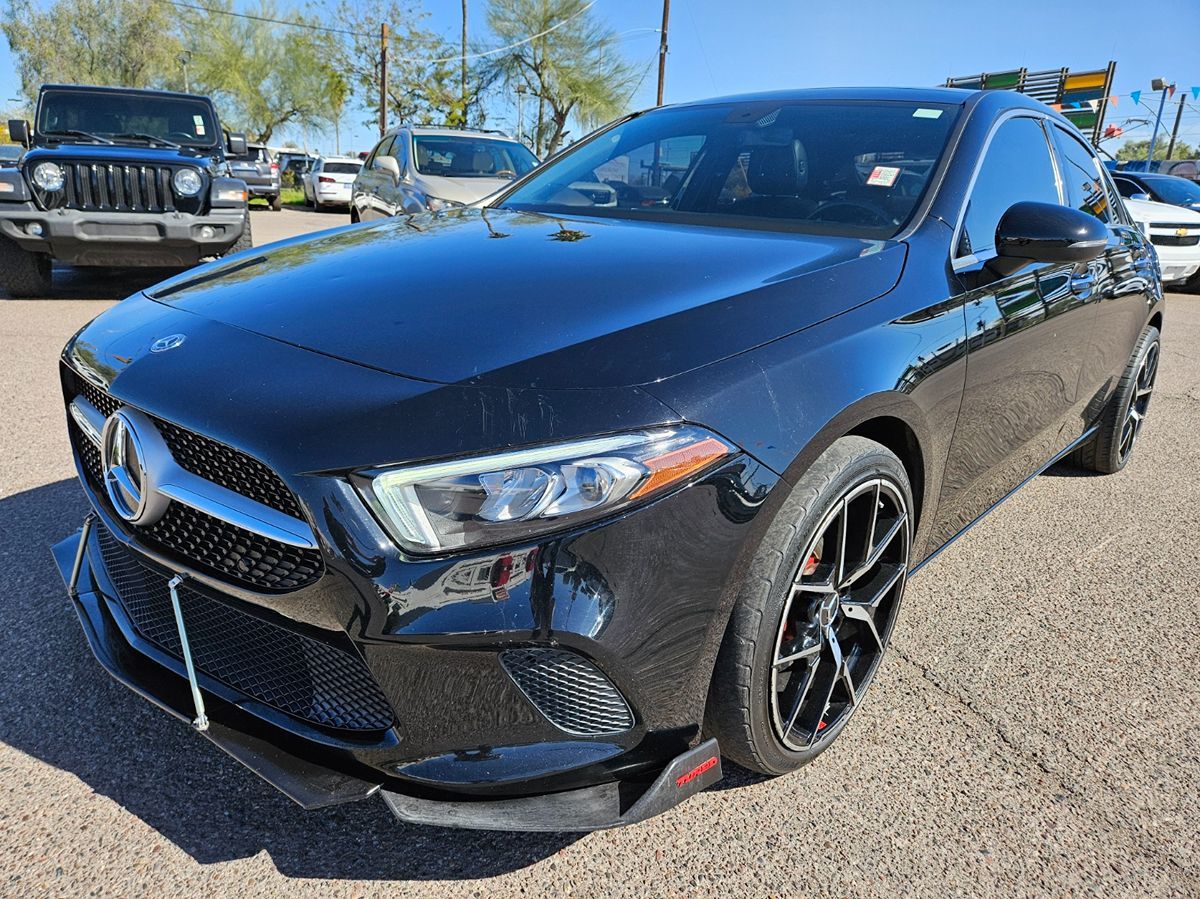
{"points": [[115, 187]]}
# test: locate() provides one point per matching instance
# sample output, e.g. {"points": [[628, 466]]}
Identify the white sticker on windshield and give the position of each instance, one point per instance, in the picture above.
{"points": [[199, 120], [883, 176], [924, 113]]}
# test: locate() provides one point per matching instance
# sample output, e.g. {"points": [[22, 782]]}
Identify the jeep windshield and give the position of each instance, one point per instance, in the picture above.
{"points": [[102, 116], [853, 168]]}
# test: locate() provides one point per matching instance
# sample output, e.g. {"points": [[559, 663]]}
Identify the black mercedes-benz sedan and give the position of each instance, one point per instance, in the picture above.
{"points": [[524, 516]]}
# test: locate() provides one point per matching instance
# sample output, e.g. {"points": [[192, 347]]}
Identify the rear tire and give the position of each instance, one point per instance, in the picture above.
{"points": [[1121, 424], [799, 653], [24, 274], [276, 202]]}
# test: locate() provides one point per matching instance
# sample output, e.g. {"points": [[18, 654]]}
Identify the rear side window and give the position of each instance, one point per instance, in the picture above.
{"points": [[1017, 168], [1082, 177]]}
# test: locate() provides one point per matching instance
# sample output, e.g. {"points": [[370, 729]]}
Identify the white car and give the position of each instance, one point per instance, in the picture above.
{"points": [[415, 170], [1175, 233], [328, 182]]}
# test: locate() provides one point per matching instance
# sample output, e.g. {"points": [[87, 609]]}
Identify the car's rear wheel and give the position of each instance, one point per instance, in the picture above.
{"points": [[24, 274], [275, 202], [814, 618], [1121, 424]]}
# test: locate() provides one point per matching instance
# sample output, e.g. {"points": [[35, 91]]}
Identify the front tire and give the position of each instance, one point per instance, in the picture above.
{"points": [[275, 202], [245, 242], [24, 274], [1121, 424], [815, 615]]}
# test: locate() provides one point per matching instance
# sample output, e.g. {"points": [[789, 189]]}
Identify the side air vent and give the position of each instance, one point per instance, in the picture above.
{"points": [[569, 690]]}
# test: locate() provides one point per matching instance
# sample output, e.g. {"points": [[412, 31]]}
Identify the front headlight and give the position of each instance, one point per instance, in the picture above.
{"points": [[444, 506], [49, 176], [187, 182], [437, 204]]}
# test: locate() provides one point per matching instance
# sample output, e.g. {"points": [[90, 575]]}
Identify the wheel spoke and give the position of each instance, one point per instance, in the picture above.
{"points": [[822, 708], [801, 694], [880, 548], [818, 587], [796, 655], [843, 670], [863, 615], [839, 570]]}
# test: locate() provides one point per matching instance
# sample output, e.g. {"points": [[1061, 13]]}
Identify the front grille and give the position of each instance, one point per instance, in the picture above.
{"points": [[569, 690], [288, 671], [116, 187], [193, 537], [1170, 240]]}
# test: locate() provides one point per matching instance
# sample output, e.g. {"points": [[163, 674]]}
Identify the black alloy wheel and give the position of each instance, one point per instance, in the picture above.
{"points": [[816, 610], [1139, 402], [1125, 416], [839, 614]]}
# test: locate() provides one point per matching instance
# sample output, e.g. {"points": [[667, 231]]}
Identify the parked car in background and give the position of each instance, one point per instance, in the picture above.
{"points": [[9, 154], [1180, 168], [1168, 189], [293, 167], [1175, 233], [330, 180], [260, 171], [118, 177], [415, 170], [521, 516]]}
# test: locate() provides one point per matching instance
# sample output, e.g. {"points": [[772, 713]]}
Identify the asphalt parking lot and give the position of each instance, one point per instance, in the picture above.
{"points": [[1036, 730]]}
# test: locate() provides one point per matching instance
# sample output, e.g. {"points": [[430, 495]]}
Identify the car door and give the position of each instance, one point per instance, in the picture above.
{"points": [[1122, 301], [368, 184], [1027, 330]]}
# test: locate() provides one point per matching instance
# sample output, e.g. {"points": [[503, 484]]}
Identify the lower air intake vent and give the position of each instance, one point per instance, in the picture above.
{"points": [[569, 690], [303, 677]]}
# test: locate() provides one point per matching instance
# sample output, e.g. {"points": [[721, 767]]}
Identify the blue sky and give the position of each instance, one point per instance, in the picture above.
{"points": [[723, 46]]}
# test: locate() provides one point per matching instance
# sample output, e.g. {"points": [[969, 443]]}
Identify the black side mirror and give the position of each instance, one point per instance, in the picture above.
{"points": [[1048, 232], [237, 144], [18, 131]]}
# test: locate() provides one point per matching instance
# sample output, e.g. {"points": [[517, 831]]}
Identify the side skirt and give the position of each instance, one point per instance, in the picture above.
{"points": [[1071, 447]]}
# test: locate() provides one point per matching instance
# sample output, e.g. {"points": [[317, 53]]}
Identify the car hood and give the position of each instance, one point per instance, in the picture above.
{"points": [[461, 190], [1149, 211], [500, 298], [145, 154]]}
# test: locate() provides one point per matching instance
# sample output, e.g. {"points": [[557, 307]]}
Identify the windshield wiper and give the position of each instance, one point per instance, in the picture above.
{"points": [[69, 132], [150, 137]]}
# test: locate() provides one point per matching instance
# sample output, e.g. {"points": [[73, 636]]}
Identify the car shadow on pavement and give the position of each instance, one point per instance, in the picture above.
{"points": [[60, 707]]}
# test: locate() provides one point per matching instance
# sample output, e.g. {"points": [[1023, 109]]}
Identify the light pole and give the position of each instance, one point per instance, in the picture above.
{"points": [[520, 112], [184, 58], [1158, 84]]}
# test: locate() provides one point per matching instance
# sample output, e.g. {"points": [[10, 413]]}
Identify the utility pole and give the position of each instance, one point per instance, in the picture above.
{"points": [[383, 78], [662, 50], [520, 112], [184, 58], [1175, 130], [1158, 84], [463, 61]]}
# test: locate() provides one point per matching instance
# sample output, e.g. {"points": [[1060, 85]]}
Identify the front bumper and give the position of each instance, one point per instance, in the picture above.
{"points": [[122, 238], [313, 783]]}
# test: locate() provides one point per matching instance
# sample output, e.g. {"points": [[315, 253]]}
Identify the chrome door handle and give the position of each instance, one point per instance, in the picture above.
{"points": [[1083, 283]]}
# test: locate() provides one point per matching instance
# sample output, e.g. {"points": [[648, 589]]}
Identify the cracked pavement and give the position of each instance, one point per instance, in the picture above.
{"points": [[1034, 731]]}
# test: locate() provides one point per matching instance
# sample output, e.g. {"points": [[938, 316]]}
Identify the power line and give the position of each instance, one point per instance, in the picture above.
{"points": [[532, 37], [245, 15]]}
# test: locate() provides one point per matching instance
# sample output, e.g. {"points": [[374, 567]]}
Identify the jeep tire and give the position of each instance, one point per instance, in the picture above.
{"points": [[23, 274]]}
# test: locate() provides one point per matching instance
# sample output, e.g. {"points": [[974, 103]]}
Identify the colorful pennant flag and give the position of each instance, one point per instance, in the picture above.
{"points": [[1137, 96], [1196, 93]]}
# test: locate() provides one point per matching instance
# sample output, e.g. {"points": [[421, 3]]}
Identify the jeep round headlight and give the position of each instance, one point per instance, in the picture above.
{"points": [[187, 182], [48, 176]]}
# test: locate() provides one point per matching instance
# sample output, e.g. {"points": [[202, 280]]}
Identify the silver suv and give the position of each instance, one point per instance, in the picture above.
{"points": [[415, 169]]}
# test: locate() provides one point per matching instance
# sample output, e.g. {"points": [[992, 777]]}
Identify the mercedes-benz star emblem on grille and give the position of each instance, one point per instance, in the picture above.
{"points": [[128, 480], [167, 343]]}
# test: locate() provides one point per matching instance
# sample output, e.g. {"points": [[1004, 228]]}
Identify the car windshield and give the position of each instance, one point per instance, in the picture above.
{"points": [[135, 117], [341, 168], [844, 167], [454, 156], [1178, 191]]}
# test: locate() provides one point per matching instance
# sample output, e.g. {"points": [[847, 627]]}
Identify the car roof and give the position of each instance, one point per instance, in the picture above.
{"points": [[456, 132], [100, 89], [952, 95], [340, 159]]}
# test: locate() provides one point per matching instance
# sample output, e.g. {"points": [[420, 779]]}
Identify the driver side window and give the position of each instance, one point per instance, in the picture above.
{"points": [[1016, 168]]}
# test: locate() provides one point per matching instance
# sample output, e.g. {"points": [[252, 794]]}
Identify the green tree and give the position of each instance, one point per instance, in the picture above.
{"points": [[337, 90], [574, 67], [262, 75], [133, 43], [424, 69], [1136, 149]]}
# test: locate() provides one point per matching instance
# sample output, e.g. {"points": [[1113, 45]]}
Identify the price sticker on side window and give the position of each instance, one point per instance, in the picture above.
{"points": [[883, 176]]}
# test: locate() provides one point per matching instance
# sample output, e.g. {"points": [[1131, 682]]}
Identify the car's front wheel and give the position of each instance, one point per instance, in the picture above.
{"points": [[24, 274], [814, 618]]}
